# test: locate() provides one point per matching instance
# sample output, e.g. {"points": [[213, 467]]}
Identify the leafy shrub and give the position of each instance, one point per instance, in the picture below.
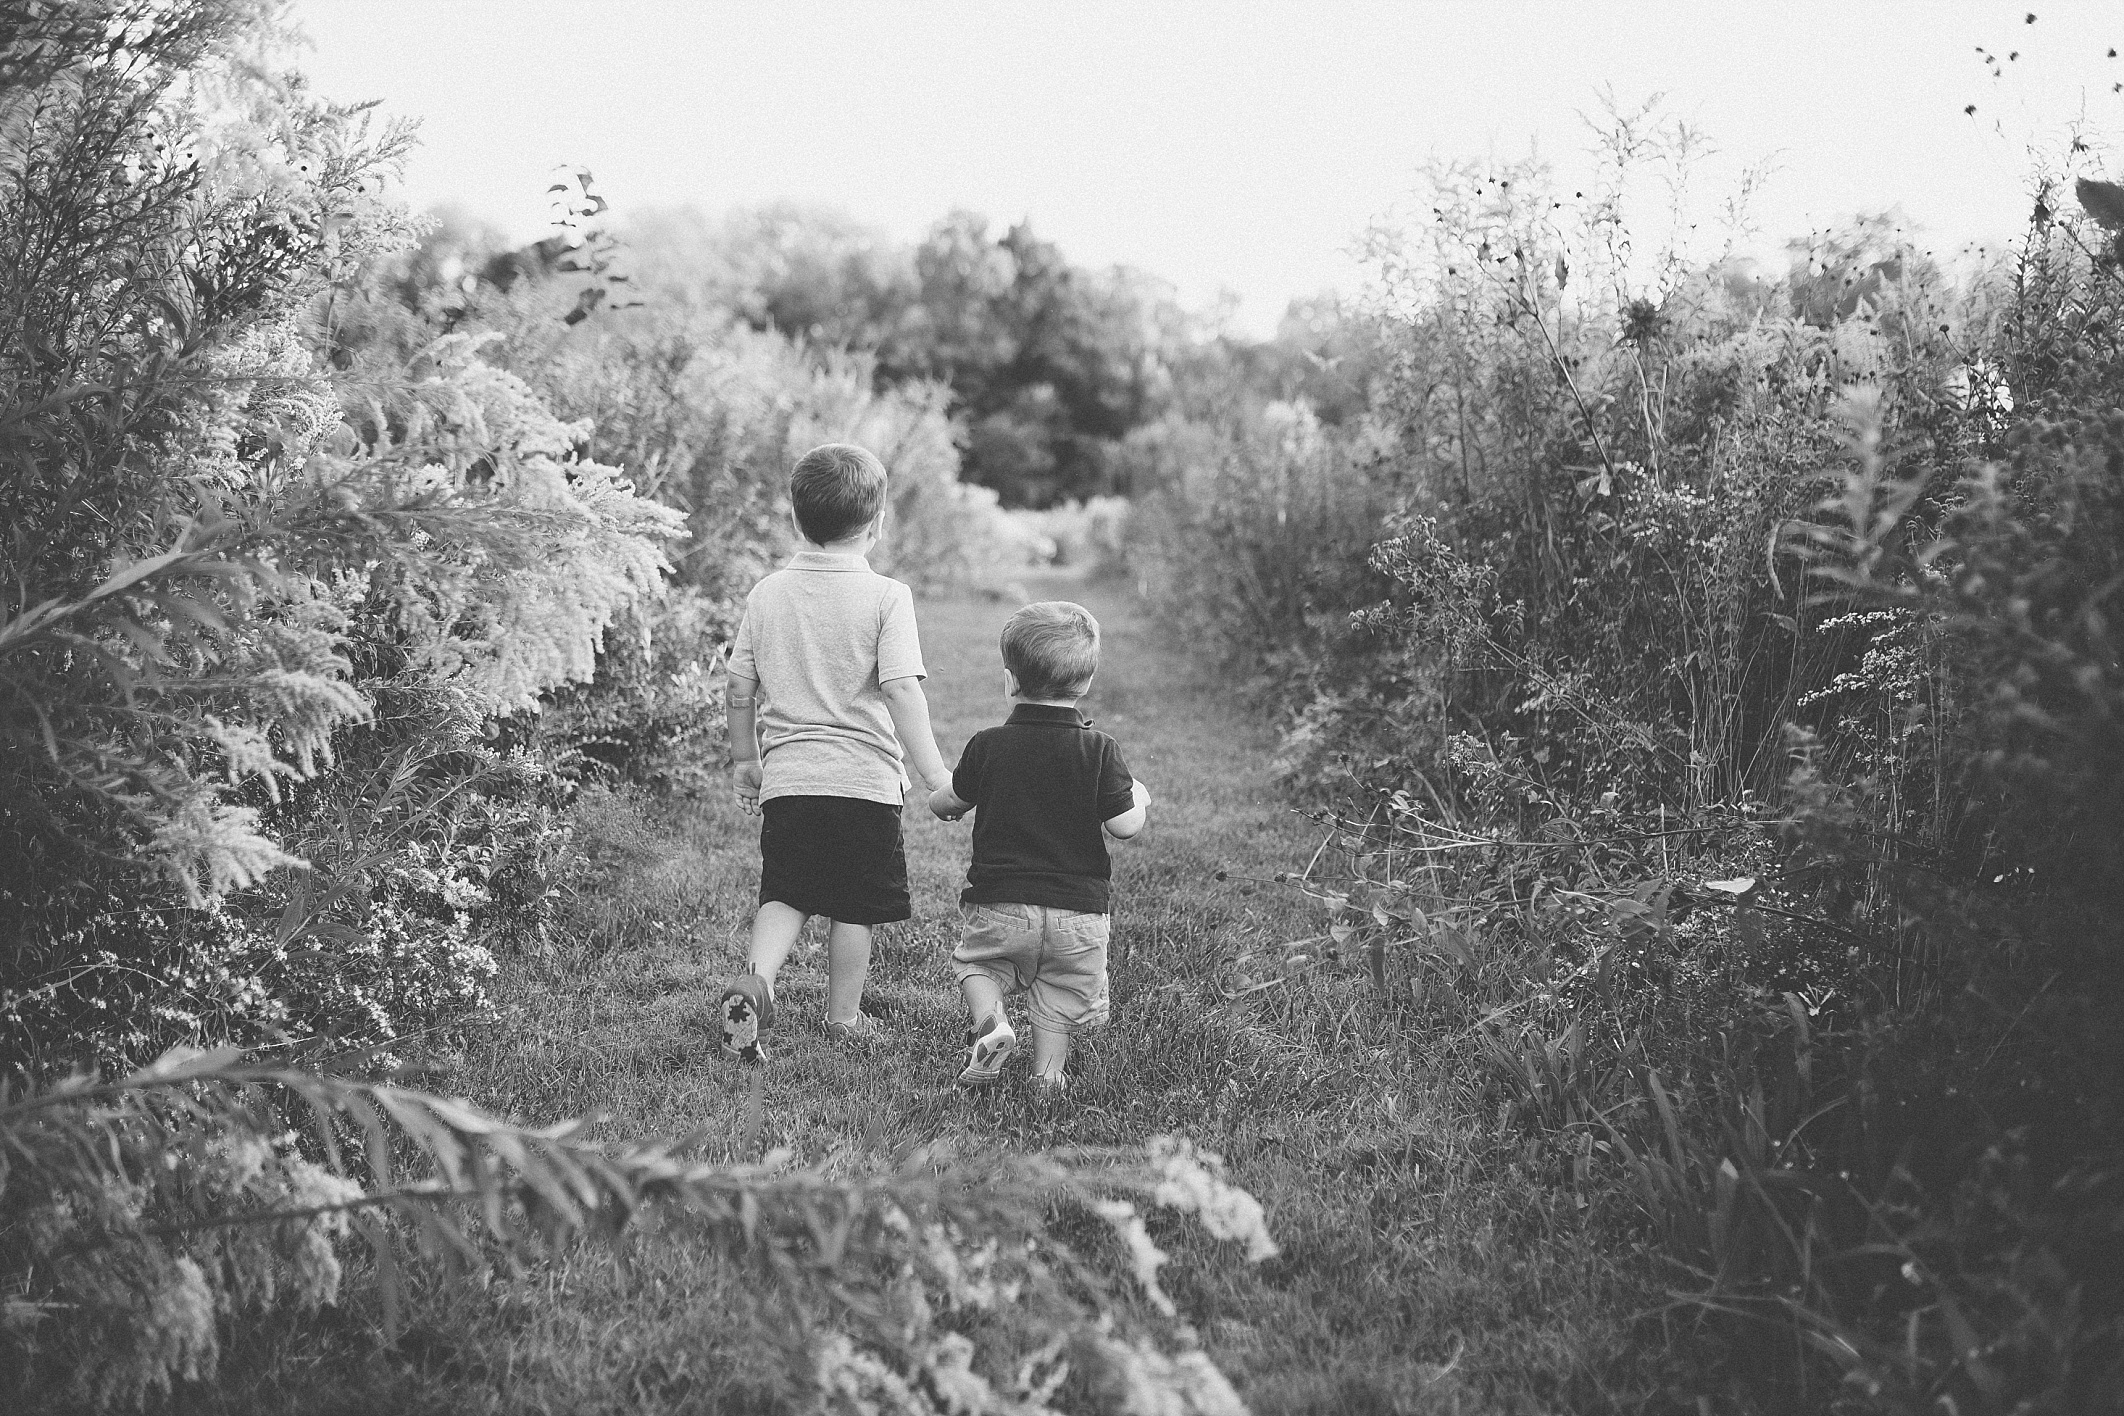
{"points": [[1092, 534], [1727, 702], [654, 711], [1255, 551], [155, 1209], [234, 544]]}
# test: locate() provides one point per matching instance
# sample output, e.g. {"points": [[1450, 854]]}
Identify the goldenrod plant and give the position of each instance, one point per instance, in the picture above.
{"points": [[140, 1218]]}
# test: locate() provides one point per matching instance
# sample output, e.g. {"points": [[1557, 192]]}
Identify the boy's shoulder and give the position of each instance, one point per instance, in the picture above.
{"points": [[856, 584], [1087, 734]]}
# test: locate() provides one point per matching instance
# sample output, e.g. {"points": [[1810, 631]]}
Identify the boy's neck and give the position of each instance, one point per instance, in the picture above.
{"points": [[853, 546], [1019, 700]]}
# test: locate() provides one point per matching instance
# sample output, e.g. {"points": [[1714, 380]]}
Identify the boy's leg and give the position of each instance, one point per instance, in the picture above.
{"points": [[747, 1005], [1050, 1053], [998, 944], [990, 1039], [848, 969], [983, 996], [1070, 989], [775, 930]]}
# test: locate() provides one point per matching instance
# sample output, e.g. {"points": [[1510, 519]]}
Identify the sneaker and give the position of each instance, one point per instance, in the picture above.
{"points": [[990, 1049], [747, 1010], [861, 1028]]}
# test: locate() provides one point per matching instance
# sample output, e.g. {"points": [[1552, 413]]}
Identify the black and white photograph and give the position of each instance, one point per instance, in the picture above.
{"points": [[1061, 708]]}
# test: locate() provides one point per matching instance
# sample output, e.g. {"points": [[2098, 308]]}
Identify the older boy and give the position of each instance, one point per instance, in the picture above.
{"points": [[828, 666], [1047, 789]]}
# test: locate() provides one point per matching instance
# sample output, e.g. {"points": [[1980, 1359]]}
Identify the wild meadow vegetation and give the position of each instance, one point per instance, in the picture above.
{"points": [[1710, 689], [1640, 741]]}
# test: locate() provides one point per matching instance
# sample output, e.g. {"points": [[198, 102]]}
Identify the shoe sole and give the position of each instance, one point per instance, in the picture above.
{"points": [[741, 1028], [997, 1052]]}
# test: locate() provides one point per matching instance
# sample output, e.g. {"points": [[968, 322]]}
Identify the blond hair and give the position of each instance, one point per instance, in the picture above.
{"points": [[1052, 649], [836, 488]]}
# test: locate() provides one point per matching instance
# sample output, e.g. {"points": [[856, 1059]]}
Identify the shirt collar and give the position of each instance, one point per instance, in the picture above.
{"points": [[828, 560], [1048, 716]]}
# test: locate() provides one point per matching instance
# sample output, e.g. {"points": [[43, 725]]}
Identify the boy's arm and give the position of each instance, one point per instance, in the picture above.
{"points": [[1129, 822], [738, 695], [910, 721], [947, 806]]}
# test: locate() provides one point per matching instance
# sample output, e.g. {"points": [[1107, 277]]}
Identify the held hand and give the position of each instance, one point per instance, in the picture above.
{"points": [[945, 806], [747, 779]]}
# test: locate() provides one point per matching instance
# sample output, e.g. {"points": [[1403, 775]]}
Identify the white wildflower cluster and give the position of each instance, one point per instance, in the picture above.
{"points": [[1144, 1256], [296, 676], [242, 1156], [143, 1308], [311, 168], [169, 1333], [1192, 1180], [913, 1366], [314, 1268], [213, 847], [416, 953], [1131, 1377], [260, 1267], [261, 386], [941, 1381], [517, 616], [966, 1276], [545, 628], [860, 1383], [1139, 1380]]}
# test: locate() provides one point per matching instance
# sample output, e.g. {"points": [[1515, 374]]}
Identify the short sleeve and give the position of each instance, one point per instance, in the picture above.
{"points": [[741, 662], [1117, 785], [899, 647], [966, 777]]}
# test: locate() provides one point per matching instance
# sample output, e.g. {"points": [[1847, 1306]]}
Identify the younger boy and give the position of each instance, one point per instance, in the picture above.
{"points": [[1046, 789], [827, 663]]}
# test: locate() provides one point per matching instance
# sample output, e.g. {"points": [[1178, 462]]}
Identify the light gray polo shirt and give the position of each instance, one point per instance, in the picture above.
{"points": [[819, 636]]}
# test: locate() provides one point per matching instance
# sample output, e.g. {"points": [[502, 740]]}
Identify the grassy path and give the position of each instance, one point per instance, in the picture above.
{"points": [[1420, 1273]]}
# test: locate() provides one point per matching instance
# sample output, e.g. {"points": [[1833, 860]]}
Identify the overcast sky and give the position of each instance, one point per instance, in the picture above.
{"points": [[1230, 145]]}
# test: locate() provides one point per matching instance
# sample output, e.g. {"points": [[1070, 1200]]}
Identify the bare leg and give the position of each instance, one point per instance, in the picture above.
{"points": [[848, 964], [774, 933], [746, 1008], [992, 1038], [982, 996], [1050, 1052]]}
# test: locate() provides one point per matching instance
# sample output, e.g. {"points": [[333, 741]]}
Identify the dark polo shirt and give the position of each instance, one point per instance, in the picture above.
{"points": [[1041, 784]]}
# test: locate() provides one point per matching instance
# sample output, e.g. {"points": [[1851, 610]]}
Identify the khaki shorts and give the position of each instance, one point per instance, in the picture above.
{"points": [[1056, 956]]}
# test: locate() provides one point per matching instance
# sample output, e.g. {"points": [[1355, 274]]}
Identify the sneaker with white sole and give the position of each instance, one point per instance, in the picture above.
{"points": [[745, 1011], [991, 1048]]}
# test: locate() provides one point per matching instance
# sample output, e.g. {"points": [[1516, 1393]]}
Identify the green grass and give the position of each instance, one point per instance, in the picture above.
{"points": [[1423, 1269]]}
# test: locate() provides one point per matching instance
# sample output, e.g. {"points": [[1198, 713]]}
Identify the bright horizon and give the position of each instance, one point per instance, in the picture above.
{"points": [[1237, 148]]}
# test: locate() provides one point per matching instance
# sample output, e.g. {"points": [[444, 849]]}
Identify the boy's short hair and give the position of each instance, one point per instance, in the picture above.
{"points": [[1052, 649], [836, 488]]}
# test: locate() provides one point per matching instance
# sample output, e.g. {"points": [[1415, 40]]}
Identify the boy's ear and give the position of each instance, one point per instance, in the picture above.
{"points": [[1010, 684]]}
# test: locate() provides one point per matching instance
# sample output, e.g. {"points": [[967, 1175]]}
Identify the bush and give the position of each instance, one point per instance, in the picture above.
{"points": [[1714, 680], [654, 711], [159, 1210], [236, 544]]}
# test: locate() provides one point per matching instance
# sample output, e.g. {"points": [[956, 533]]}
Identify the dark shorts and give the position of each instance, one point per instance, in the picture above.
{"points": [[834, 856]]}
